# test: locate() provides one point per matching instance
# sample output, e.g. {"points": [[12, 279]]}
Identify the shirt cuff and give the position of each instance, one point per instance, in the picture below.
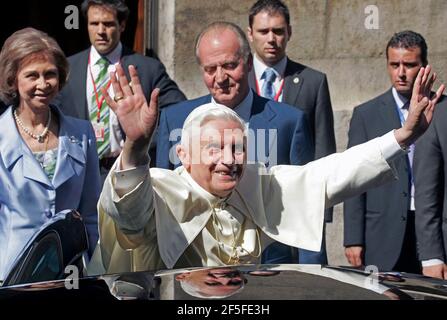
{"points": [[128, 179], [389, 147], [432, 262]]}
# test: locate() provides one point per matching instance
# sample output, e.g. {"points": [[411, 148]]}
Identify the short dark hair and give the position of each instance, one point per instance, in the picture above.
{"points": [[21, 45], [409, 39], [271, 6], [121, 9]]}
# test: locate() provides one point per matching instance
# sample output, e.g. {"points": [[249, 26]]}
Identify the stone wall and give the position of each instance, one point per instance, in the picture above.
{"points": [[329, 35]]}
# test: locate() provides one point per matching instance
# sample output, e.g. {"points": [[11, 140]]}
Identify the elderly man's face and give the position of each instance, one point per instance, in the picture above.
{"points": [[214, 282], [225, 72], [216, 156]]}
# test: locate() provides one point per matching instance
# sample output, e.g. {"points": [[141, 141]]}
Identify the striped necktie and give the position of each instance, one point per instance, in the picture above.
{"points": [[268, 91], [98, 102]]}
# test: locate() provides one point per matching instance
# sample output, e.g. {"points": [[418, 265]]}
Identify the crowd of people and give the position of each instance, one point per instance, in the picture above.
{"points": [[245, 174]]}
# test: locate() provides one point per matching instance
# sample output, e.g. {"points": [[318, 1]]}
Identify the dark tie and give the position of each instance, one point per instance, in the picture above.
{"points": [[410, 153], [269, 76]]}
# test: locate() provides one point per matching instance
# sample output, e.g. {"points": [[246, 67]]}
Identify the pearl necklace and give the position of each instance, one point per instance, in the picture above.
{"points": [[39, 137]]}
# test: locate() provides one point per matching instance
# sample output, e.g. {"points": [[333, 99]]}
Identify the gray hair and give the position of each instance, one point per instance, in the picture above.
{"points": [[205, 113], [219, 26]]}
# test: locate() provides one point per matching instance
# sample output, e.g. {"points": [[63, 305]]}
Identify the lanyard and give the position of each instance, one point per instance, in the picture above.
{"points": [[99, 101], [277, 94]]}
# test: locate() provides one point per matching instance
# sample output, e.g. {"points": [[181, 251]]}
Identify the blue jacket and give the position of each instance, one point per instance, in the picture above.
{"points": [[28, 198], [289, 124]]}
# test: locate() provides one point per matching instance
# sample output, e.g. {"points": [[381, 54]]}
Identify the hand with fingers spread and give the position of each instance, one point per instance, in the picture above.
{"points": [[136, 117], [422, 106]]}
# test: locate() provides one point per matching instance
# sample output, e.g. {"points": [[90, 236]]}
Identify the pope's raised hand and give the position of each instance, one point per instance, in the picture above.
{"points": [[422, 106], [136, 117]]}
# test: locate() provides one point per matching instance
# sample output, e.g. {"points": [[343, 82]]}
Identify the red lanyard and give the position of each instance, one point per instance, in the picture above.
{"points": [[277, 94], [99, 101]]}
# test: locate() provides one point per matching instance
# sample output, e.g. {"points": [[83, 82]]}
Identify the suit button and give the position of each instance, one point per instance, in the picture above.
{"points": [[405, 194], [404, 218]]}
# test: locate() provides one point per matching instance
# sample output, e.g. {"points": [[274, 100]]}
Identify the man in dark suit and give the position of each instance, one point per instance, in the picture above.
{"points": [[293, 83], [82, 98], [430, 171], [379, 226]]}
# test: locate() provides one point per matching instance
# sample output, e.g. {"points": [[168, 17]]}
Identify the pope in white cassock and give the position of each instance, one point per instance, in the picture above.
{"points": [[215, 209]]}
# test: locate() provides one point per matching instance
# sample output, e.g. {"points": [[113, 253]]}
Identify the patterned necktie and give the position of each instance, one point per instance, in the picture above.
{"points": [[102, 80], [269, 76]]}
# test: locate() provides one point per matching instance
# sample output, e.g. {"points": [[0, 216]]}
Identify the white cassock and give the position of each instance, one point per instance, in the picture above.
{"points": [[169, 221]]}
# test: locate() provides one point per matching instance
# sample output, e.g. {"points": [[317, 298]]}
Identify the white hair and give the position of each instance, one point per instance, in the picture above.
{"points": [[205, 113]]}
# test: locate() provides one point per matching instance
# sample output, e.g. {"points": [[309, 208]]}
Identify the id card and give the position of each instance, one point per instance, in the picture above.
{"points": [[98, 127]]}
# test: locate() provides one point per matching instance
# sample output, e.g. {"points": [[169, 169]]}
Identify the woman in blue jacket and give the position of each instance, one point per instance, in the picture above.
{"points": [[48, 161]]}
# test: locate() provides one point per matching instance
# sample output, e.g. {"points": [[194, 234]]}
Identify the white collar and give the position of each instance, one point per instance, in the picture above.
{"points": [[212, 199], [260, 67], [113, 56], [398, 98]]}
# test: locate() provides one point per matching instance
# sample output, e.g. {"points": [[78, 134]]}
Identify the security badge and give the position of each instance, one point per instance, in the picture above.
{"points": [[99, 129]]}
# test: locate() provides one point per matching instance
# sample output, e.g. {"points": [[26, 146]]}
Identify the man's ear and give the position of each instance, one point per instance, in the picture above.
{"points": [[289, 31], [250, 62], [122, 26], [183, 155], [249, 34]]}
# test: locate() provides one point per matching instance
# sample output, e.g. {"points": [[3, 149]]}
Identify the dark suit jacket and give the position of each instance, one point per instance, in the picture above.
{"points": [[72, 99], [430, 169], [376, 219], [294, 141], [310, 93]]}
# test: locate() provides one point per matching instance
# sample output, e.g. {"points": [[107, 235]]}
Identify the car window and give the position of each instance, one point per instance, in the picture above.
{"points": [[44, 261]]}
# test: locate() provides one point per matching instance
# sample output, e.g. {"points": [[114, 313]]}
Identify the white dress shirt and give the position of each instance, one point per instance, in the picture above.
{"points": [[280, 68], [244, 108], [116, 136]]}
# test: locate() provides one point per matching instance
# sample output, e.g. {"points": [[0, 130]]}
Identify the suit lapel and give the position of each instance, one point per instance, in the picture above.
{"points": [[71, 158], [388, 111], [391, 120], [15, 152], [293, 82], [252, 80], [262, 118], [80, 82]]}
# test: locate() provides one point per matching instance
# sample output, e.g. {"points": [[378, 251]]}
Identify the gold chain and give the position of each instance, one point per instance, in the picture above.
{"points": [[234, 257]]}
